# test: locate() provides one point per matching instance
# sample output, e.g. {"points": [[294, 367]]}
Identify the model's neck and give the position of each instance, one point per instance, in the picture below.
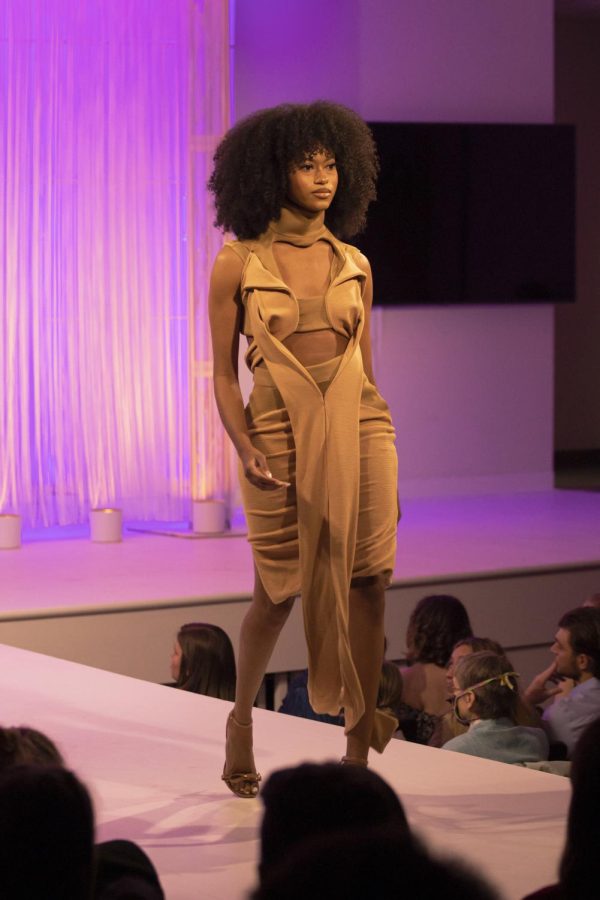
{"points": [[297, 226]]}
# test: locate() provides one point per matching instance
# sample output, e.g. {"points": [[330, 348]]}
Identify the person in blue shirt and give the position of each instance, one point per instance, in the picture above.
{"points": [[576, 650], [485, 697]]}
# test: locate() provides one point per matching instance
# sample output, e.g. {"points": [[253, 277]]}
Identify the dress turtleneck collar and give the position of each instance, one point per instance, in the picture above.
{"points": [[295, 228]]}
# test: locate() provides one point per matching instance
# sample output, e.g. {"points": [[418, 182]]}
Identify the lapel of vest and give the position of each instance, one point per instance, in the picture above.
{"points": [[261, 272]]}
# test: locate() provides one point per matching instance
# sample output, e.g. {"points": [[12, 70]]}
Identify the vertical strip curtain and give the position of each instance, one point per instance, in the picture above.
{"points": [[96, 263], [212, 462]]}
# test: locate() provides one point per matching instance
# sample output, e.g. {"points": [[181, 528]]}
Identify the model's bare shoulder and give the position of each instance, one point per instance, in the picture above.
{"points": [[241, 250], [227, 271], [231, 257]]}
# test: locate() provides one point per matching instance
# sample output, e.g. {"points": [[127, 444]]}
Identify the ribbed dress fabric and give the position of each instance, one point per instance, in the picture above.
{"points": [[327, 431]]}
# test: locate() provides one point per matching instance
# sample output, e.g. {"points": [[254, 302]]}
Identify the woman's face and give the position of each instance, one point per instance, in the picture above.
{"points": [[313, 183], [457, 653], [175, 660]]}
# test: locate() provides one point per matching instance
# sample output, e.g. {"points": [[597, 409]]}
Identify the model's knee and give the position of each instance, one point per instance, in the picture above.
{"points": [[275, 614]]}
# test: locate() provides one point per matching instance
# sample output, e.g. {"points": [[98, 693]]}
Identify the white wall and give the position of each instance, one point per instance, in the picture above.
{"points": [[471, 389]]}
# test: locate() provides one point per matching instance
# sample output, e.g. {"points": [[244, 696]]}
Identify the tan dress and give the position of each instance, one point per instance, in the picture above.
{"points": [[327, 431]]}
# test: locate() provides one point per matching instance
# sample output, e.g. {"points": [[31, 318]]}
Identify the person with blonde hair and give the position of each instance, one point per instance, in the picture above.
{"points": [[448, 726], [485, 698]]}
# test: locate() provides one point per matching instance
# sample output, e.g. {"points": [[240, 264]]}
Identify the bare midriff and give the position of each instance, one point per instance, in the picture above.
{"points": [[307, 272], [313, 347]]}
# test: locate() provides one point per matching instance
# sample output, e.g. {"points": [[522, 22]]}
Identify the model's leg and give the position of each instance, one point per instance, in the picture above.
{"points": [[261, 627], [366, 629]]}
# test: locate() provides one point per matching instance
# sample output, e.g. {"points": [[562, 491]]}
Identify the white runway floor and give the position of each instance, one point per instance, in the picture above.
{"points": [[153, 756]]}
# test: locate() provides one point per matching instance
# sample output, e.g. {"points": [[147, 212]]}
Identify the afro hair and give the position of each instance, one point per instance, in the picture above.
{"points": [[254, 159]]}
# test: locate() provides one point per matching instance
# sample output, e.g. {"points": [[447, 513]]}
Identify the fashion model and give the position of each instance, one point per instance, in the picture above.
{"points": [[315, 442]]}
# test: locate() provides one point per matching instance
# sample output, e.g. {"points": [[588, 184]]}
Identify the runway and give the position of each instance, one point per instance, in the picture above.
{"points": [[153, 756]]}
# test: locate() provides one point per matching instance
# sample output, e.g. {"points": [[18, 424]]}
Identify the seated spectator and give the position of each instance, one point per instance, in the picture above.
{"points": [[389, 697], [436, 624], [465, 647], [121, 868], [576, 650], [375, 862], [26, 746], [389, 693], [485, 698], [566, 685], [314, 800], [124, 871], [580, 864], [448, 726], [46, 834], [296, 703], [203, 661]]}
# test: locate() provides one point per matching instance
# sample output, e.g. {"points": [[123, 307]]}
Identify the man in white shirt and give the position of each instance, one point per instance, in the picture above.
{"points": [[576, 650]]}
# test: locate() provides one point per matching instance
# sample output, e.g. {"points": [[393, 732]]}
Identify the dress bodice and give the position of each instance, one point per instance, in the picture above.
{"points": [[323, 429], [267, 296]]}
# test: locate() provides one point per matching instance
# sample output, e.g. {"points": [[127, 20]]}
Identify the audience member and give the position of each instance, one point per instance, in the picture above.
{"points": [[26, 746], [46, 834], [580, 864], [203, 661], [485, 698], [576, 650], [124, 872], [313, 800], [296, 703], [390, 686], [389, 696], [375, 862], [448, 726], [465, 647], [436, 624]]}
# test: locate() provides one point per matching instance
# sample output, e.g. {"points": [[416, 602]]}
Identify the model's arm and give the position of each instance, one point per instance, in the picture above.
{"points": [[225, 310], [365, 340]]}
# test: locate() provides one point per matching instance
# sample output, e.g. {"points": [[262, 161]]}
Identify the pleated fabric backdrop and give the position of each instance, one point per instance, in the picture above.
{"points": [[109, 114]]}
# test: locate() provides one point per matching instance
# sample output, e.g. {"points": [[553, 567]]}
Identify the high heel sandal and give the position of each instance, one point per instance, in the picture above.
{"points": [[354, 761], [242, 784]]}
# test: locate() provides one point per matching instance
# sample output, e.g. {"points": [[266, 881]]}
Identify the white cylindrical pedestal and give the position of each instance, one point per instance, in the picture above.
{"points": [[208, 516], [106, 525], [10, 531]]}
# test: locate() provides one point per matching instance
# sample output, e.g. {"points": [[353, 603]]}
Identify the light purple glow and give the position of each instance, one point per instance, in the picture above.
{"points": [[94, 148]]}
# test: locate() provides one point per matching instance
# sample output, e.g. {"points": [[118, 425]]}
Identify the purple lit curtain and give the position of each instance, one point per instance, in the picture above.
{"points": [[105, 243]]}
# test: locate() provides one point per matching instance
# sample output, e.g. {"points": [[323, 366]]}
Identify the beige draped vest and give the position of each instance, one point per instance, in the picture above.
{"points": [[325, 425]]}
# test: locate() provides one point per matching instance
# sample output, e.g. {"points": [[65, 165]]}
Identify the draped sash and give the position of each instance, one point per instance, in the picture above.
{"points": [[325, 425]]}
